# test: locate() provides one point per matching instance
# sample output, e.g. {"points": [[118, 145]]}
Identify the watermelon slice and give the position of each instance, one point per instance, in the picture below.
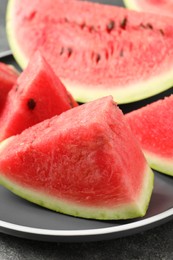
{"points": [[37, 95], [95, 49], [8, 77], [153, 127], [84, 162], [163, 7]]}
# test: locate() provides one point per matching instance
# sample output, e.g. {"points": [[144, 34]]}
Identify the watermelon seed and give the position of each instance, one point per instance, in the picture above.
{"points": [[123, 23], [69, 51], [98, 57], [31, 104], [61, 51], [149, 26], [162, 32], [17, 86], [110, 26], [83, 25], [91, 28]]}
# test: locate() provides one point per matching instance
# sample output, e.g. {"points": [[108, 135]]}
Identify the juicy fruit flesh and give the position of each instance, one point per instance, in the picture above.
{"points": [[82, 162], [94, 52], [8, 77], [153, 126], [37, 95]]}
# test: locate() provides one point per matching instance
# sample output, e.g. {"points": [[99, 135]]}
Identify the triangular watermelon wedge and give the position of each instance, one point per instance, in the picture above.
{"points": [[84, 162], [37, 95], [8, 77], [153, 127]]}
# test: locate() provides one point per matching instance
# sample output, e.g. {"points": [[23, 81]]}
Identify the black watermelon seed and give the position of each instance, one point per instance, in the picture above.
{"points": [[69, 51], [149, 26], [31, 104], [98, 57], [162, 32], [123, 23], [110, 26], [61, 51], [83, 25], [91, 28], [16, 88]]}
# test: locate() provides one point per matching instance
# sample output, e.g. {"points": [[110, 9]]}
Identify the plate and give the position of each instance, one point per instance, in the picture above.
{"points": [[21, 218]]}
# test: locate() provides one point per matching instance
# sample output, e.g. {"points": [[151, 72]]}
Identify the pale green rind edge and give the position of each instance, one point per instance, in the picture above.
{"points": [[158, 163], [86, 93], [11, 36], [131, 4], [133, 210]]}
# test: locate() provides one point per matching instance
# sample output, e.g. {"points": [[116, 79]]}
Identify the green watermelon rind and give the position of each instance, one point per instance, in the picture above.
{"points": [[86, 93], [123, 212], [11, 37], [132, 5], [126, 211], [158, 163]]}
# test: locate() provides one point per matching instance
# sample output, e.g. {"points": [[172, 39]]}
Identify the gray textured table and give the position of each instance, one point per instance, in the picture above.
{"points": [[153, 244]]}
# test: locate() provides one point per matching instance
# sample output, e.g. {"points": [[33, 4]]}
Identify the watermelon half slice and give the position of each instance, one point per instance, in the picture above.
{"points": [[95, 49], [163, 7], [84, 162], [37, 95], [153, 127]]}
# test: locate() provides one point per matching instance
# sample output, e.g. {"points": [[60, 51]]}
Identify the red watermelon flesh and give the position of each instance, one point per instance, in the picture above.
{"points": [[95, 49], [37, 95], [163, 7], [8, 77], [153, 127], [84, 162]]}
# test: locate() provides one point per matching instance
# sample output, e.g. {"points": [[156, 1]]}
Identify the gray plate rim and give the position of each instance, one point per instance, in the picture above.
{"points": [[168, 214]]}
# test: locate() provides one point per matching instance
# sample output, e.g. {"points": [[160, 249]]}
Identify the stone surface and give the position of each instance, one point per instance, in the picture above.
{"points": [[155, 244]]}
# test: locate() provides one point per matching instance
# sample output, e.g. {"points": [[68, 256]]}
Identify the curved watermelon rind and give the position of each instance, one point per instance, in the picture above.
{"points": [[86, 93], [137, 208], [22, 61], [127, 211], [158, 163], [133, 5]]}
